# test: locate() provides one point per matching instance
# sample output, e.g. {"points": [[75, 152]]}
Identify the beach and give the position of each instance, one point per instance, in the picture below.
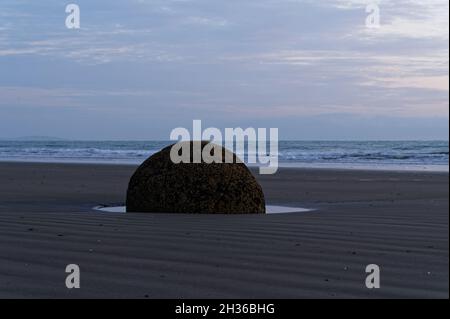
{"points": [[397, 220]]}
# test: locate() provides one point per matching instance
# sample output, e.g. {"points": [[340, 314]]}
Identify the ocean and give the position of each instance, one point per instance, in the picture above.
{"points": [[337, 154]]}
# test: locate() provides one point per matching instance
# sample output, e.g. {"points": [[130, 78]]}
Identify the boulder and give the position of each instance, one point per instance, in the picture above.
{"points": [[161, 186]]}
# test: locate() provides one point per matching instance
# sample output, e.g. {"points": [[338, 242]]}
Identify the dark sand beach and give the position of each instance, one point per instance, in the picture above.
{"points": [[397, 220]]}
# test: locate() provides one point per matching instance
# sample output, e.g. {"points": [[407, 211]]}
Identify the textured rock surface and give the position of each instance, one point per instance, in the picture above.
{"points": [[159, 185]]}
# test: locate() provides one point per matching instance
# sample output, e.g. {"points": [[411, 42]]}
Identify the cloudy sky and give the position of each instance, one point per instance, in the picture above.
{"points": [[136, 69]]}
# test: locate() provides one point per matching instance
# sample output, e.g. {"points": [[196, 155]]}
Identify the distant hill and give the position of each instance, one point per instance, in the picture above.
{"points": [[34, 138]]}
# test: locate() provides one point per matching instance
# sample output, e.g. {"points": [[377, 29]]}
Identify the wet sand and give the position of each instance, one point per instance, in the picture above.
{"points": [[398, 220]]}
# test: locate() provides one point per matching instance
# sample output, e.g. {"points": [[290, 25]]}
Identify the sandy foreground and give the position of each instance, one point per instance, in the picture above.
{"points": [[397, 220]]}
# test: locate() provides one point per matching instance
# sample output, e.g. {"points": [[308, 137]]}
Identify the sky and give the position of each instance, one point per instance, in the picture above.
{"points": [[137, 69]]}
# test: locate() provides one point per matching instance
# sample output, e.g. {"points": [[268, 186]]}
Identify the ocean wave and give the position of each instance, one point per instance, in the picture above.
{"points": [[422, 153]]}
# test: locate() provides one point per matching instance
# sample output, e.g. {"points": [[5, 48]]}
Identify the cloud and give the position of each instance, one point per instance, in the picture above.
{"points": [[26, 96], [279, 58], [439, 83], [18, 96], [204, 21], [427, 70], [412, 19], [93, 47]]}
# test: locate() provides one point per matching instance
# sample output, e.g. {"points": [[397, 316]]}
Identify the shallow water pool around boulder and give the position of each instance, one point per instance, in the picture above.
{"points": [[270, 209]]}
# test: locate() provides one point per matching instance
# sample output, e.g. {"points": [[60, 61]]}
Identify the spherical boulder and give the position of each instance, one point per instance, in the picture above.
{"points": [[161, 185]]}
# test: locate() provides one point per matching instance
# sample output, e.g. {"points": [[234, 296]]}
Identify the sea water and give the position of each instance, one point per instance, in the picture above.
{"points": [[338, 154]]}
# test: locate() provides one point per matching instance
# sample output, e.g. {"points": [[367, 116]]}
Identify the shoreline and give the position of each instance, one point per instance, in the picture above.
{"points": [[321, 166]]}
